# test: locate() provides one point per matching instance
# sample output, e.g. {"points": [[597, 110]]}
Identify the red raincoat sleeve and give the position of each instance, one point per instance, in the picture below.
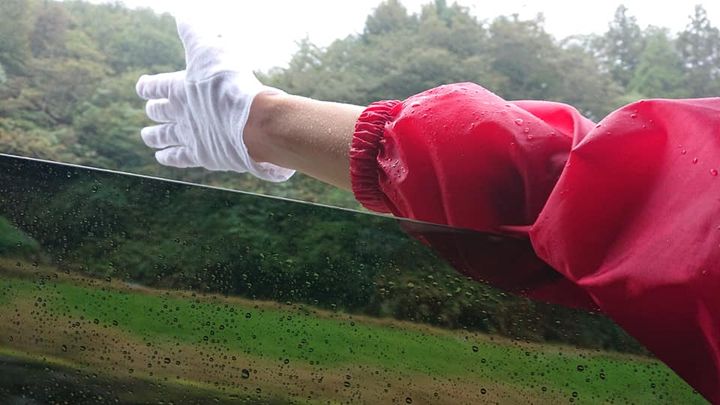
{"points": [[627, 212]]}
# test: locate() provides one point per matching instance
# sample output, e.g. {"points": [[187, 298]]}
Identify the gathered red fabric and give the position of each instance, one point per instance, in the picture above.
{"points": [[623, 216]]}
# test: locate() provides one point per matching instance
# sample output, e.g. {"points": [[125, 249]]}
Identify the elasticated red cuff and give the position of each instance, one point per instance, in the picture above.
{"points": [[364, 174]]}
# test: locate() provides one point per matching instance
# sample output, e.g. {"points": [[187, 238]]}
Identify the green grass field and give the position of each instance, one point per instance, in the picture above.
{"points": [[360, 352]]}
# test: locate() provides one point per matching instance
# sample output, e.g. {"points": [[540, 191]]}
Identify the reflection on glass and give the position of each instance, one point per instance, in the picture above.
{"points": [[124, 289]]}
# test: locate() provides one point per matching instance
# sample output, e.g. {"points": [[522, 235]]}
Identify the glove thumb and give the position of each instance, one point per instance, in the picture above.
{"points": [[204, 53]]}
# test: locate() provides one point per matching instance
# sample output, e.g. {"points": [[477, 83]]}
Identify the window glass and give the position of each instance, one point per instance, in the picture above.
{"points": [[117, 288]]}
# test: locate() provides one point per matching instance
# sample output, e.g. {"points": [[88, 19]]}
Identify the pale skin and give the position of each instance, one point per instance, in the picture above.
{"points": [[312, 137]]}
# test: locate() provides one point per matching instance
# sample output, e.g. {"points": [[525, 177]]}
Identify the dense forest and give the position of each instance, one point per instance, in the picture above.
{"points": [[68, 69]]}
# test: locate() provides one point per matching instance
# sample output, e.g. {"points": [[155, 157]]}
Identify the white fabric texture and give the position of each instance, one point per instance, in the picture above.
{"points": [[203, 110]]}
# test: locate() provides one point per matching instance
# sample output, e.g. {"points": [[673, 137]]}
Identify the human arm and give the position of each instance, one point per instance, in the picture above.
{"points": [[310, 136], [626, 212], [218, 116]]}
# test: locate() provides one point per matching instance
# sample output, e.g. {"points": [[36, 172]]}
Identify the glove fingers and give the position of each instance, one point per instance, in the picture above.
{"points": [[160, 111], [158, 86], [161, 136], [179, 157]]}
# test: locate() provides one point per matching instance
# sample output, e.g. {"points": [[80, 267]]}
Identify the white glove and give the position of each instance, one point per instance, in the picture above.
{"points": [[204, 109]]}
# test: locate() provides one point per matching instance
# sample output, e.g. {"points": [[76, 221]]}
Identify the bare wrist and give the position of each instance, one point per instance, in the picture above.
{"points": [[302, 134], [258, 134]]}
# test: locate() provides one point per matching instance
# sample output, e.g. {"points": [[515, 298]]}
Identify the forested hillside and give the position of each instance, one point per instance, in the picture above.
{"points": [[68, 69]]}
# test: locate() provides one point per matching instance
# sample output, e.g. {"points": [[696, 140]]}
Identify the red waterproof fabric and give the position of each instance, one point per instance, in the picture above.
{"points": [[627, 211]]}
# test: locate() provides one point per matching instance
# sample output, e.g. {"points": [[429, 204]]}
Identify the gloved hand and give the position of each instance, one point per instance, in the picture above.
{"points": [[204, 109]]}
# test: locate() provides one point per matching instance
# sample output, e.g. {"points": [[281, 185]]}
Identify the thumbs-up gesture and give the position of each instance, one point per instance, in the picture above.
{"points": [[203, 110]]}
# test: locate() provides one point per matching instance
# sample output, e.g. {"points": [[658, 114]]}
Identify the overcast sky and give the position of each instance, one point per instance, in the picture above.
{"points": [[269, 29]]}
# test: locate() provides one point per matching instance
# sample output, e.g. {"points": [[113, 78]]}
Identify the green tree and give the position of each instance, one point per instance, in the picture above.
{"points": [[582, 83], [389, 16], [452, 28], [445, 44], [130, 39], [659, 72], [442, 45], [107, 125], [525, 54], [63, 70], [23, 138], [14, 34], [47, 38], [303, 72], [63, 83], [699, 45], [620, 47]]}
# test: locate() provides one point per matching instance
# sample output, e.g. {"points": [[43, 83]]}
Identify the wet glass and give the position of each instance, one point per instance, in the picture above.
{"points": [[126, 289]]}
